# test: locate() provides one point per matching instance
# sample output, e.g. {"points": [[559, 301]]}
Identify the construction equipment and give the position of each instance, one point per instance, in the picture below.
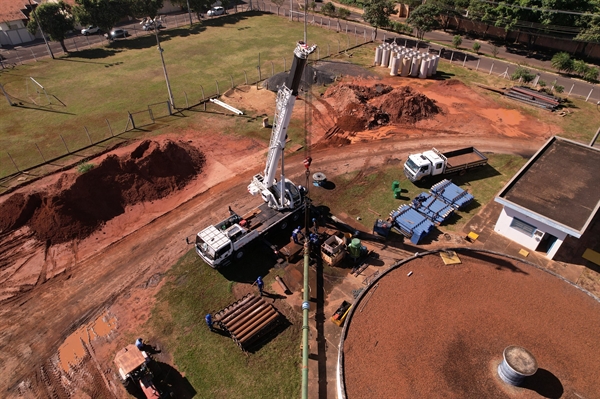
{"points": [[427, 210], [333, 250], [134, 367], [219, 244], [434, 162], [340, 314]]}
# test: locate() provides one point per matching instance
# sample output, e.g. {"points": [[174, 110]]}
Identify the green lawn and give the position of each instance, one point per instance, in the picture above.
{"points": [[212, 363], [104, 83], [374, 187]]}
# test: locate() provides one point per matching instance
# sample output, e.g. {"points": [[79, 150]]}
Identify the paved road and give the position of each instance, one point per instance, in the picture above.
{"points": [[361, 33]]}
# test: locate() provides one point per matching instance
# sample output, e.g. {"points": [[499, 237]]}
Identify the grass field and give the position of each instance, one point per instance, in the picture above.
{"points": [[101, 84], [374, 187], [212, 363]]}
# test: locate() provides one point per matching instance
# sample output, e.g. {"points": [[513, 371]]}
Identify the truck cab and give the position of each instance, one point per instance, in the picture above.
{"points": [[428, 163], [215, 244]]}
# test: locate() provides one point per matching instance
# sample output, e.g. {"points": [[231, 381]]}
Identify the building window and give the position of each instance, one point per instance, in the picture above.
{"points": [[523, 227]]}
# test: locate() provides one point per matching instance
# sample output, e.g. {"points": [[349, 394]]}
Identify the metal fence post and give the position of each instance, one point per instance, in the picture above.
{"points": [[588, 97], [131, 120], [88, 134], [40, 151], [451, 57], [13, 161], [217, 83], [245, 77], [109, 127], [477, 67], [259, 73], [65, 143], [272, 69], [464, 60], [492, 67], [74, 42], [187, 105], [284, 65], [231, 81], [571, 90], [33, 54]]}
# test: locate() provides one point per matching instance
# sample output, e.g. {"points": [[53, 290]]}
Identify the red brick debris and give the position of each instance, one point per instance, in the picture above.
{"points": [[441, 331], [75, 208]]}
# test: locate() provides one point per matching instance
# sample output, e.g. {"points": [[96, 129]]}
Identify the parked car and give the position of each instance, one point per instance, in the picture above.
{"points": [[90, 30], [218, 10], [151, 24], [116, 33]]}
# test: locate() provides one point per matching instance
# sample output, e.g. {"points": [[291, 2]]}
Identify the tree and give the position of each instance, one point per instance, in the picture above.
{"points": [[377, 14], [424, 19], [456, 41], [278, 3], [591, 74], [476, 47], [341, 13], [562, 62], [559, 88], [580, 67], [102, 13], [198, 6], [328, 9], [311, 6], [55, 19], [144, 8]]}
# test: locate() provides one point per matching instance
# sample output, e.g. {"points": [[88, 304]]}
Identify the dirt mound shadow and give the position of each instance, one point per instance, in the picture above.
{"points": [[151, 171]]}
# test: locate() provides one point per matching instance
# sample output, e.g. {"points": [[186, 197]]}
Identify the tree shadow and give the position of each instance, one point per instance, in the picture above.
{"points": [[90, 54], [499, 263], [545, 384]]}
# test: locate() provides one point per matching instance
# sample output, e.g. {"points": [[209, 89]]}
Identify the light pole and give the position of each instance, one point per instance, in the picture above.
{"points": [[162, 59], [40, 26], [189, 12]]}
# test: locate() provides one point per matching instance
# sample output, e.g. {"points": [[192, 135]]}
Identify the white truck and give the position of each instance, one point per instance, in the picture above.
{"points": [[220, 243], [434, 162]]}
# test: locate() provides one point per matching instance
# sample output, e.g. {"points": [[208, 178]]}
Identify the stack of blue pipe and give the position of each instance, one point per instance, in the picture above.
{"points": [[411, 223], [451, 194]]}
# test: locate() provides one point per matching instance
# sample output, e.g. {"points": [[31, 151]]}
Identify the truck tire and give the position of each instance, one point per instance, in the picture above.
{"points": [[238, 255], [296, 217], [283, 225]]}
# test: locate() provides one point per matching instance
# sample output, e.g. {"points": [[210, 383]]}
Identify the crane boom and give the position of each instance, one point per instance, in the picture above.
{"points": [[283, 194]]}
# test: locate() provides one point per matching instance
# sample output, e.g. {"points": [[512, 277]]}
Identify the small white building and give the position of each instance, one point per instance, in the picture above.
{"points": [[556, 194]]}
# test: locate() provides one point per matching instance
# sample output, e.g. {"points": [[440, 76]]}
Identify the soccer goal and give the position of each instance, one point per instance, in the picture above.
{"points": [[36, 92]]}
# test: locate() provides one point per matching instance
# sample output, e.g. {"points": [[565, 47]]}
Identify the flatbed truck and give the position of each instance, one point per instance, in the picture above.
{"points": [[435, 163]]}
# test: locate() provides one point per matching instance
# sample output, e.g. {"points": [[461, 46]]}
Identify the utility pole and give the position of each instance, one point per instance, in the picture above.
{"points": [[162, 59], [189, 12], [40, 26]]}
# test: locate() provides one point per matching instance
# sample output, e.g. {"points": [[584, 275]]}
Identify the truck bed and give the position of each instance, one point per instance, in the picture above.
{"points": [[263, 218], [464, 158]]}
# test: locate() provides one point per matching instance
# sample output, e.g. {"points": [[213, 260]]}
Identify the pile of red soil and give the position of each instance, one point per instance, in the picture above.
{"points": [[59, 214], [368, 107]]}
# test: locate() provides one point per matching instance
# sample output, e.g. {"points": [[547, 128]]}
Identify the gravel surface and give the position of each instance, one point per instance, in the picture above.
{"points": [[441, 332]]}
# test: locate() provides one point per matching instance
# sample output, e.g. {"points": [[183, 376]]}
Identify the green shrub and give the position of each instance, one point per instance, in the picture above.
{"points": [[541, 83], [522, 73], [456, 41], [476, 47], [562, 62], [559, 88], [85, 167]]}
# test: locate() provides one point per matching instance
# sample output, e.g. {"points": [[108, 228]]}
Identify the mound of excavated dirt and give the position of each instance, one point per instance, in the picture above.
{"points": [[61, 214], [367, 107]]}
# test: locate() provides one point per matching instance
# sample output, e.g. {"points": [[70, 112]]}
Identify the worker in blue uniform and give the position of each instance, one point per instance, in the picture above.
{"points": [[140, 344], [260, 284], [296, 234], [209, 322]]}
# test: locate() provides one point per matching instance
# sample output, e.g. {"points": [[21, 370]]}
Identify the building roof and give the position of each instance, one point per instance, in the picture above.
{"points": [[558, 186], [12, 10]]}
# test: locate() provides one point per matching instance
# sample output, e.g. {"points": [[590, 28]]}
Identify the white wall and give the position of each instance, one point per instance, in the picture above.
{"points": [[530, 242]]}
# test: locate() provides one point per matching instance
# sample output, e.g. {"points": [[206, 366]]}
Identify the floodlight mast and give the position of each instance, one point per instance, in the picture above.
{"points": [[162, 59]]}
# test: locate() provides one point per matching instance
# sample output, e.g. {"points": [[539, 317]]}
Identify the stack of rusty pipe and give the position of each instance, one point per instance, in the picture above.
{"points": [[247, 318]]}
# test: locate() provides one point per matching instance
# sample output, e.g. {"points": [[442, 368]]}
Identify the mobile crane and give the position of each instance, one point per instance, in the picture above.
{"points": [[220, 243]]}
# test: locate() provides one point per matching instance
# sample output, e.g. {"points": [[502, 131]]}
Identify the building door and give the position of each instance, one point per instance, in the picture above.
{"points": [[546, 243]]}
